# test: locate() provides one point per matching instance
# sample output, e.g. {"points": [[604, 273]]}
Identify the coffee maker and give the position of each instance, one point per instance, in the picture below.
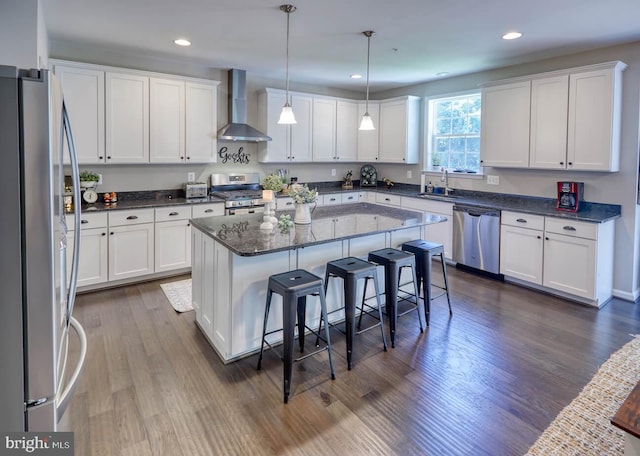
{"points": [[570, 195]]}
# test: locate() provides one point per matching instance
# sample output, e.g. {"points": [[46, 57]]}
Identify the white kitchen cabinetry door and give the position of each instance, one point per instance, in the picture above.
{"points": [[399, 127], [166, 121], [131, 251], [93, 261], [324, 130], [569, 264], [594, 120], [549, 106], [84, 97], [301, 132], [172, 245], [127, 118], [201, 123], [197, 271], [347, 131], [270, 104], [521, 253], [368, 145], [505, 125]]}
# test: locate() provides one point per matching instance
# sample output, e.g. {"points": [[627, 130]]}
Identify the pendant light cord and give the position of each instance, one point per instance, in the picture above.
{"points": [[287, 9], [368, 59]]}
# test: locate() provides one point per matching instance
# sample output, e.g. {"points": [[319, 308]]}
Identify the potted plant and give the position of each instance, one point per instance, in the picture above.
{"points": [[89, 179], [273, 182], [303, 197]]}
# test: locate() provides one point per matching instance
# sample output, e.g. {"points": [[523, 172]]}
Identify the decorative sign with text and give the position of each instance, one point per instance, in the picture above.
{"points": [[240, 156]]}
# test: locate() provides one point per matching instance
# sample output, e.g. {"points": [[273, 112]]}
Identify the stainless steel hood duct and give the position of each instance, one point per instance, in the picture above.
{"points": [[237, 128]]}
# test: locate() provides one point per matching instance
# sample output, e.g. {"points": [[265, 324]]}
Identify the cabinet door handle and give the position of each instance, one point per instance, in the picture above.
{"points": [[539, 237], [132, 217], [108, 157], [172, 214], [546, 238], [111, 233], [562, 163], [521, 220], [568, 228], [84, 221], [104, 234], [388, 199], [188, 224], [207, 211], [101, 157], [570, 163]]}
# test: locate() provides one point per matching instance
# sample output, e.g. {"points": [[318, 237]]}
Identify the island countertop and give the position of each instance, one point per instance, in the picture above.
{"points": [[242, 235]]}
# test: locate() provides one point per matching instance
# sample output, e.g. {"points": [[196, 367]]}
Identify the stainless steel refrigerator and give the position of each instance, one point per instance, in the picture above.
{"points": [[36, 293]]}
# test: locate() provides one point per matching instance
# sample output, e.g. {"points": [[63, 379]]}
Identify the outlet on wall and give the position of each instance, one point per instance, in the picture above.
{"points": [[409, 174], [493, 180], [99, 179], [333, 171], [191, 177]]}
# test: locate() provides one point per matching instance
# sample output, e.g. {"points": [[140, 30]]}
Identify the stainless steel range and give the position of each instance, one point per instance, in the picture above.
{"points": [[241, 193]]}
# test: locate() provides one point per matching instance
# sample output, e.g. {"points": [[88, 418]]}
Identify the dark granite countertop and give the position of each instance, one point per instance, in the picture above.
{"points": [[242, 234], [589, 212]]}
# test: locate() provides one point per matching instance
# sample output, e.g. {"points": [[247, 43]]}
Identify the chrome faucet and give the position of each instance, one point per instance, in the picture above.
{"points": [[445, 179]]}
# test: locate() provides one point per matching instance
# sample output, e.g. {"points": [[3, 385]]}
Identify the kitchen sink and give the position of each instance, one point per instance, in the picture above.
{"points": [[438, 196]]}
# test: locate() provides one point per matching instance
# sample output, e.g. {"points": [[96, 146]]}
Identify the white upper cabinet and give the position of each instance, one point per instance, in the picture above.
{"points": [[399, 130], [347, 130], [166, 121], [548, 141], [83, 90], [505, 125], [368, 139], [127, 118], [289, 143], [595, 103], [561, 120], [324, 129], [201, 122]]}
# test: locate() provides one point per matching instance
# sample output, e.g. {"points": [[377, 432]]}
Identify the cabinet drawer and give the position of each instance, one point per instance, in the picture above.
{"points": [[283, 204], [350, 198], [207, 210], [584, 230], [386, 198], [534, 222], [331, 199], [88, 220], [131, 217], [164, 214]]}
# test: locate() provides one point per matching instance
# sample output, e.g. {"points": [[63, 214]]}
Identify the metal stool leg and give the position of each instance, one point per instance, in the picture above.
{"points": [[446, 282], [323, 306], [264, 326], [289, 320], [415, 288], [375, 284]]}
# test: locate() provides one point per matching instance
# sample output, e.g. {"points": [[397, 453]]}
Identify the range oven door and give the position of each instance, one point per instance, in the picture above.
{"points": [[243, 210]]}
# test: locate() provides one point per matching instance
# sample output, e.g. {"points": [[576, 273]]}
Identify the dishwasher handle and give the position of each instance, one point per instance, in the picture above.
{"points": [[477, 211]]}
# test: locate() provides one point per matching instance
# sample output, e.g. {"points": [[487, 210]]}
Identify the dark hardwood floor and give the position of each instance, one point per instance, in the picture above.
{"points": [[487, 381]]}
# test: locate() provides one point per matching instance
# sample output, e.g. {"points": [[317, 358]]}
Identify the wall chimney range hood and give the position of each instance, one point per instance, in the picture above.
{"points": [[237, 128]]}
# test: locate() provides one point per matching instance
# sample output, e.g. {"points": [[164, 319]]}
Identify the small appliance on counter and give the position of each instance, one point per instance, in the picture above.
{"points": [[570, 195], [196, 190]]}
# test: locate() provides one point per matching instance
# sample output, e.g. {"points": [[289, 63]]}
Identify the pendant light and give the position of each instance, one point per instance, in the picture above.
{"points": [[367, 123], [286, 116]]}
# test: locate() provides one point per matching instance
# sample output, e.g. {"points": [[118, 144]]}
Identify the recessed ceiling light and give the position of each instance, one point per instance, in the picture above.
{"points": [[511, 35], [442, 73], [356, 76], [182, 42]]}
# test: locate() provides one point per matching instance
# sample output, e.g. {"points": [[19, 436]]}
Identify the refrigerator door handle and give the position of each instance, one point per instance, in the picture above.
{"points": [[75, 176], [64, 397]]}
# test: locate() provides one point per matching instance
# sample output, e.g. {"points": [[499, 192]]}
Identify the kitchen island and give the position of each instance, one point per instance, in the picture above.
{"points": [[233, 258]]}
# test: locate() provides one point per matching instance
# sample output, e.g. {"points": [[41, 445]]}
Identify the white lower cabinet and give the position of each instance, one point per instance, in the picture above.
{"points": [[573, 258], [131, 243], [92, 264], [172, 238]]}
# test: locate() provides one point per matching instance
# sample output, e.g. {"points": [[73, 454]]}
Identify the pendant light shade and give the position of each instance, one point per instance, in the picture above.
{"points": [[367, 122], [286, 116]]}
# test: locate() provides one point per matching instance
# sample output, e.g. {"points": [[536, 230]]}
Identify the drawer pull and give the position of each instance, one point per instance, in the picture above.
{"points": [[349, 197], [289, 203], [568, 228], [171, 214], [84, 221], [388, 199], [332, 199], [207, 211], [521, 220], [132, 217]]}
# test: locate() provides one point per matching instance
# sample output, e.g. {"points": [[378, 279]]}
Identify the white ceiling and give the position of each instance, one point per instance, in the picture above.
{"points": [[414, 40]]}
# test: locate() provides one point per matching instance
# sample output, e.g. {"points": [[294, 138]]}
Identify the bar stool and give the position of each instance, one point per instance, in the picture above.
{"points": [[424, 252], [350, 270], [294, 287], [393, 261]]}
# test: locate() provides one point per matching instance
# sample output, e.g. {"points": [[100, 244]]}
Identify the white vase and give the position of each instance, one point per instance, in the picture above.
{"points": [[303, 214]]}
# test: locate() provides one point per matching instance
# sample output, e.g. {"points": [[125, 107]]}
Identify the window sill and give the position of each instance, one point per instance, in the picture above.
{"points": [[455, 175]]}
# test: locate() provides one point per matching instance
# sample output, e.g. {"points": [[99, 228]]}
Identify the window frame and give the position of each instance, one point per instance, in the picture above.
{"points": [[427, 128]]}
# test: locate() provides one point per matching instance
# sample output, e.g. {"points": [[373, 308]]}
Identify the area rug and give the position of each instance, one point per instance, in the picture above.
{"points": [[179, 294], [583, 427]]}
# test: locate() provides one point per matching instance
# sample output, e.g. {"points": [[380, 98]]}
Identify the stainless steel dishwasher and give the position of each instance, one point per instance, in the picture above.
{"points": [[476, 237]]}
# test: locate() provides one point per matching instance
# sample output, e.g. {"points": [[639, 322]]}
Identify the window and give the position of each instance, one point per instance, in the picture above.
{"points": [[454, 134]]}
